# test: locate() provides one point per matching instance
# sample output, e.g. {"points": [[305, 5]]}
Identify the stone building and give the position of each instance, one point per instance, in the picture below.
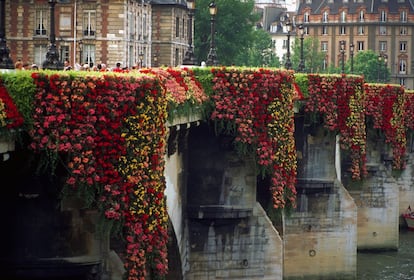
{"points": [[384, 26], [99, 31]]}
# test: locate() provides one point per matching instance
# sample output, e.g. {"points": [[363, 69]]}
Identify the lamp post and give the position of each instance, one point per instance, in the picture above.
{"points": [[80, 51], [351, 53], [301, 67], [288, 63], [342, 51], [155, 60], [212, 55], [52, 56], [189, 58], [141, 59], [5, 61]]}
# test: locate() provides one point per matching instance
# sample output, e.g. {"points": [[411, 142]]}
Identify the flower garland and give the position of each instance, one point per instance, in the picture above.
{"points": [[10, 117], [409, 109], [184, 92], [256, 107], [386, 104], [341, 102], [112, 129]]}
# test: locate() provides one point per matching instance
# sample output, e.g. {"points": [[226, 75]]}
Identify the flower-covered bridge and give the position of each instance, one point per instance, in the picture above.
{"points": [[200, 173]]}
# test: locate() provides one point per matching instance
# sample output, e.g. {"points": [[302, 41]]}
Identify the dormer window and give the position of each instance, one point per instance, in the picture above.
{"points": [[383, 17], [361, 16], [403, 16], [325, 17], [343, 16], [306, 17]]}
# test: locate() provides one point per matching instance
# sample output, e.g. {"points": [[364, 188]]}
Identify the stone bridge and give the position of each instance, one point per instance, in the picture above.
{"points": [[221, 224]]}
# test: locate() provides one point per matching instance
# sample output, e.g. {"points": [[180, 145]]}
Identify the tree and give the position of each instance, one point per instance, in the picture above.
{"points": [[260, 53], [311, 52], [368, 64], [234, 29]]}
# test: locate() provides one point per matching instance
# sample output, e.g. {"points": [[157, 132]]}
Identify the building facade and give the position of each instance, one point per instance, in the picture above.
{"points": [[98, 31], [384, 26]]}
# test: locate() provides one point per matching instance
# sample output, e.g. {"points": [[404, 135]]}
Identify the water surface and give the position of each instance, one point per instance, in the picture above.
{"points": [[390, 265]]}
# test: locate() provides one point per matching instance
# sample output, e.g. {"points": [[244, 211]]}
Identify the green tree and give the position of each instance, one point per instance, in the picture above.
{"points": [[368, 64], [260, 53], [311, 53], [234, 29]]}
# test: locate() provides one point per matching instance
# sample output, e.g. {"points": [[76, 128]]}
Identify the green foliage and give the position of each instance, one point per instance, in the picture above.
{"points": [[302, 81], [311, 53], [260, 53], [234, 29], [205, 77], [21, 88], [366, 63]]}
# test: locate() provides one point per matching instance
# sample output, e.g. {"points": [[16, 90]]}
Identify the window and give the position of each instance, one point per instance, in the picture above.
{"points": [[361, 30], [306, 17], [40, 54], [88, 54], [325, 64], [360, 45], [325, 17], [64, 53], [65, 22], [306, 30], [403, 66], [284, 45], [383, 17], [324, 30], [383, 30], [403, 46], [131, 25], [361, 16], [177, 56], [324, 46], [403, 16], [177, 27], [342, 30], [402, 81], [403, 30], [383, 46], [343, 16], [41, 22], [144, 27], [182, 27], [89, 21]]}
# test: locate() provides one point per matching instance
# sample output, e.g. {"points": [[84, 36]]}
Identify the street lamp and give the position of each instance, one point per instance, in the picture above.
{"points": [[189, 58], [141, 59], [212, 55], [351, 53], [288, 63], [301, 67], [342, 51], [52, 56], [155, 60], [5, 61]]}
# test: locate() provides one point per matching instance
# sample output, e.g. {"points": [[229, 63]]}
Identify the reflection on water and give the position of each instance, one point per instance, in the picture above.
{"points": [[395, 265]]}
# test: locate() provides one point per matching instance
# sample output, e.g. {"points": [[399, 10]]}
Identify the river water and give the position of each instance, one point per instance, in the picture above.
{"points": [[390, 265]]}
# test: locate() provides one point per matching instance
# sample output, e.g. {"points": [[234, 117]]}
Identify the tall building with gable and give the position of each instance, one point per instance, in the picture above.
{"points": [[384, 26]]}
